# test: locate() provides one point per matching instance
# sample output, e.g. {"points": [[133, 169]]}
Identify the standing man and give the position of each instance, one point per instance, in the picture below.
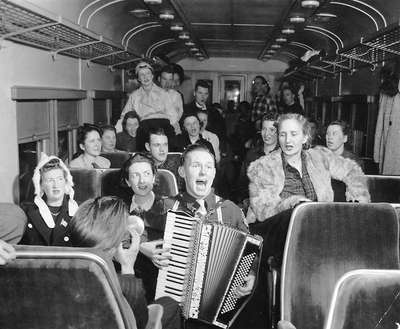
{"points": [[289, 102], [216, 121], [262, 103], [175, 110], [150, 102]]}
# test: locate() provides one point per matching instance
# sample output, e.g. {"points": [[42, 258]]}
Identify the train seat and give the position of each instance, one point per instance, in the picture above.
{"points": [[326, 240], [117, 159], [384, 188], [111, 184], [54, 287], [366, 299], [165, 183], [87, 183]]}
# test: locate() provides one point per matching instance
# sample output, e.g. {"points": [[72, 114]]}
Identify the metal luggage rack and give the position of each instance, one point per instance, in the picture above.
{"points": [[369, 52], [24, 23]]}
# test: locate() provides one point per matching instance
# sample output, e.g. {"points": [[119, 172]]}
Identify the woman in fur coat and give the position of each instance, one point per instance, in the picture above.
{"points": [[286, 177]]}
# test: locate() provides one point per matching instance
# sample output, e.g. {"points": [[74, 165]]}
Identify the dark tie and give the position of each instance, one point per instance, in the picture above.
{"points": [[95, 165]]}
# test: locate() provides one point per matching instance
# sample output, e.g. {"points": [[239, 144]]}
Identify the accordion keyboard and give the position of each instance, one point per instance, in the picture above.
{"points": [[178, 237]]}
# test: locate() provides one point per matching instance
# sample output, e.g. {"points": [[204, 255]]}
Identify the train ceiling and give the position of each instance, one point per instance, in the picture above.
{"points": [[119, 32]]}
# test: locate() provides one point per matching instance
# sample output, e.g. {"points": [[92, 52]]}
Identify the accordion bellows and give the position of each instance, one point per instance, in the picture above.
{"points": [[209, 261]]}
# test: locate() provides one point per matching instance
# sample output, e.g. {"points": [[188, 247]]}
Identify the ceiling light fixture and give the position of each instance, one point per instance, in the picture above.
{"points": [[194, 49], [140, 13], [327, 15], [199, 54], [271, 51], [166, 15], [275, 46], [310, 3], [189, 43], [281, 39], [184, 36], [176, 27], [288, 30], [297, 19], [153, 2]]}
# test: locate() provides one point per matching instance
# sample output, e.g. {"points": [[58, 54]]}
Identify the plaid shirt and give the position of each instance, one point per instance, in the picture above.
{"points": [[296, 184], [261, 105]]}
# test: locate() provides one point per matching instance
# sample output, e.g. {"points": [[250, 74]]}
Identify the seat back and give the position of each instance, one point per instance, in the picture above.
{"points": [[54, 287], [165, 183], [366, 299], [117, 159], [326, 240], [384, 188], [111, 184], [87, 183]]}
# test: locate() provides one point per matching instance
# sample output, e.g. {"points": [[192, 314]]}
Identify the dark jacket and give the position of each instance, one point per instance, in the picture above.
{"points": [[182, 141], [39, 234], [126, 142]]}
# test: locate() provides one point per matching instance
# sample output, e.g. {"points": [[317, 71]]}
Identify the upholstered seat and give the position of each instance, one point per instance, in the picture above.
{"points": [[117, 159], [326, 240], [384, 188], [54, 287], [366, 299], [87, 183]]}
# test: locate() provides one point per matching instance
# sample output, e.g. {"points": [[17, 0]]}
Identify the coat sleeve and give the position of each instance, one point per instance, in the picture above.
{"points": [[264, 190], [132, 289], [350, 173]]}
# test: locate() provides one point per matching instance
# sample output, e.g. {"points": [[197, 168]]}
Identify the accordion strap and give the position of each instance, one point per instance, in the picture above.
{"points": [[219, 211]]}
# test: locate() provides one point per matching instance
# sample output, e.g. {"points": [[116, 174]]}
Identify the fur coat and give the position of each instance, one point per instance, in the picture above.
{"points": [[267, 180]]}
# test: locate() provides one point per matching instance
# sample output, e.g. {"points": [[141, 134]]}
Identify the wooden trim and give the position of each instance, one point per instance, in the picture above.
{"points": [[106, 94], [354, 99], [21, 93]]}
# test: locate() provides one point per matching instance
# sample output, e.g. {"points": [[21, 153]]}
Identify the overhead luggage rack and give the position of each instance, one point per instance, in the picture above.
{"points": [[24, 23], [369, 52]]}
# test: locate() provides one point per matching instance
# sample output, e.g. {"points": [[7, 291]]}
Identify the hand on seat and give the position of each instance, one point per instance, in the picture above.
{"points": [[7, 252]]}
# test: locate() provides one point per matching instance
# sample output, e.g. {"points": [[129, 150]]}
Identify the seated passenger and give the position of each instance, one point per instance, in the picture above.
{"points": [[337, 135], [315, 136], [108, 139], [198, 170], [88, 157], [191, 134], [208, 135], [157, 146], [270, 144], [103, 223], [139, 174], [50, 213], [126, 139]]}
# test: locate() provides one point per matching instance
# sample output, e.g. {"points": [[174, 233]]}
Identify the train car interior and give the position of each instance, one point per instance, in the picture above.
{"points": [[296, 101]]}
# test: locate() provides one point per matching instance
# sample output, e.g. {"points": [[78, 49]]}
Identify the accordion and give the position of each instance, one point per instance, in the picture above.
{"points": [[209, 261]]}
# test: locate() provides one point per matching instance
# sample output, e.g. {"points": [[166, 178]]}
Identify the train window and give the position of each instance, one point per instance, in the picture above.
{"points": [[101, 111], [28, 154]]}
